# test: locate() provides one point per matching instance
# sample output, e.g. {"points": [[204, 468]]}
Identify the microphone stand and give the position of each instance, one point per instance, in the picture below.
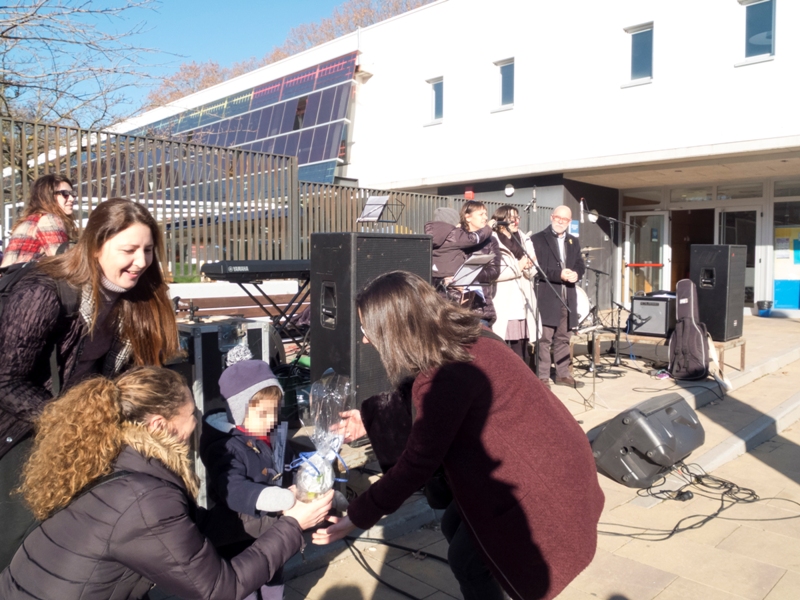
{"points": [[611, 222]]}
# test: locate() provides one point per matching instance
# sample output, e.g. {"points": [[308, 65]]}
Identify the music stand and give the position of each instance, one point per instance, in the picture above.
{"points": [[376, 206], [469, 270]]}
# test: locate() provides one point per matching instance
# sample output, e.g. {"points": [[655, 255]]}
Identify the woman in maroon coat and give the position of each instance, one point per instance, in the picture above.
{"points": [[527, 500]]}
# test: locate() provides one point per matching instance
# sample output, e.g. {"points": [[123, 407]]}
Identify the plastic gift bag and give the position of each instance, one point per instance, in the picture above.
{"points": [[330, 396]]}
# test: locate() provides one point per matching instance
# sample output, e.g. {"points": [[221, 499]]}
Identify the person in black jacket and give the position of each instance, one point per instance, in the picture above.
{"points": [[122, 316], [143, 527], [559, 256]]}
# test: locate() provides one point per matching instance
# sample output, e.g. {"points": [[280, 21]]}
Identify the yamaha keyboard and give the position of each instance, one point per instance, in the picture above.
{"points": [[248, 271]]}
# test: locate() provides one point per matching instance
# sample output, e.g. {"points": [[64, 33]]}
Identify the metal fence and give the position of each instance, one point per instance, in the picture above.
{"points": [[211, 203]]}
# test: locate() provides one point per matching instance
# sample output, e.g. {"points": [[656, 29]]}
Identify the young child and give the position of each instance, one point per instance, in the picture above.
{"points": [[238, 455]]}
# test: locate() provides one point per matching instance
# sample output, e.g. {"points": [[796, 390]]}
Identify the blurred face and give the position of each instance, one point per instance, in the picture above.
{"points": [[560, 219], [262, 416], [477, 219], [64, 203], [125, 256]]}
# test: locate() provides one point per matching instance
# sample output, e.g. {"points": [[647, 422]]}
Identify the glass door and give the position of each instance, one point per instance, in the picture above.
{"points": [[647, 253], [742, 226]]}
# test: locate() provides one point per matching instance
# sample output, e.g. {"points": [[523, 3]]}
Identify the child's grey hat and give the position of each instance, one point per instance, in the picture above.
{"points": [[241, 380]]}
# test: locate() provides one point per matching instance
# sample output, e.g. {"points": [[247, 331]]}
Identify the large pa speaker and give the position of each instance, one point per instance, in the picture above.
{"points": [[639, 445], [718, 272], [341, 265], [652, 315]]}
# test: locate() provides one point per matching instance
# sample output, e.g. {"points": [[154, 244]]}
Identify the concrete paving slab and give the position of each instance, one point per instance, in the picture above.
{"points": [[787, 588], [765, 546], [685, 589], [614, 575], [704, 564]]}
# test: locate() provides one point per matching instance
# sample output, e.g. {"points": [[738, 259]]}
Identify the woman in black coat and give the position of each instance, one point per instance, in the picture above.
{"points": [[96, 309], [142, 526]]}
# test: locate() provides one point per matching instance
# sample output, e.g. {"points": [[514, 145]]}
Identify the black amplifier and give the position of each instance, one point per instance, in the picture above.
{"points": [[652, 315]]}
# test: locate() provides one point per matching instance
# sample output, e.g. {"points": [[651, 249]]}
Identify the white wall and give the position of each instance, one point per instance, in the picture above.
{"points": [[572, 58]]}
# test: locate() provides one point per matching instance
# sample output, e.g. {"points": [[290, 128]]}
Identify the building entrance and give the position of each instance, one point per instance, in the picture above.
{"points": [[688, 227]]}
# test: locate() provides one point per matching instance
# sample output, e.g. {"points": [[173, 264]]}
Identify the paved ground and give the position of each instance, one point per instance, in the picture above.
{"points": [[751, 551]]}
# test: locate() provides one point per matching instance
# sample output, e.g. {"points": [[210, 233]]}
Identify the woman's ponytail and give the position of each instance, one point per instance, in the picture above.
{"points": [[77, 440]]}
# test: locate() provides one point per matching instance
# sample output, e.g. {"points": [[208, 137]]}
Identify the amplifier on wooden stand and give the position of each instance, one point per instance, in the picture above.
{"points": [[652, 315]]}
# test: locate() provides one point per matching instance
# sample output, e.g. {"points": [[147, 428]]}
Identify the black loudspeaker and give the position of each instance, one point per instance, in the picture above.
{"points": [[341, 265], [652, 316], [639, 445], [719, 274]]}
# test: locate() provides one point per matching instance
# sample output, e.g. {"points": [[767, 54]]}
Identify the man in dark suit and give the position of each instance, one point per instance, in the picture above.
{"points": [[559, 256]]}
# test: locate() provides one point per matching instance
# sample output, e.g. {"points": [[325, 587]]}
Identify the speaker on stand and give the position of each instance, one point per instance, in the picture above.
{"points": [[718, 272], [341, 265]]}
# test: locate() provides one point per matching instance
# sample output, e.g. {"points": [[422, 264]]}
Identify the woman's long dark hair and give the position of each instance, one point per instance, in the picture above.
{"points": [[42, 201], [146, 313], [413, 328]]}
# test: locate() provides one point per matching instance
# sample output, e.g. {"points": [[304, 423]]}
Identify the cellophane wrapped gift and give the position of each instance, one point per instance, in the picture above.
{"points": [[330, 396]]}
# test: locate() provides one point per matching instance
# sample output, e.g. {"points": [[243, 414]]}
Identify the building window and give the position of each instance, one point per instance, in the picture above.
{"points": [[506, 70], [759, 27], [641, 51], [700, 194], [437, 102]]}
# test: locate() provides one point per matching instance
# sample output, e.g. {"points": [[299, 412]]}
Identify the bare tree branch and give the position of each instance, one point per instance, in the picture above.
{"points": [[65, 60]]}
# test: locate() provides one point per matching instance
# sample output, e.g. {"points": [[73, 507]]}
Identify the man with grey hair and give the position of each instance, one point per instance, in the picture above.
{"points": [[559, 256]]}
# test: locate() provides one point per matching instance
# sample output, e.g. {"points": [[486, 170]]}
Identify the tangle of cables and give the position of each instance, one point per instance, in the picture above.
{"points": [[699, 483]]}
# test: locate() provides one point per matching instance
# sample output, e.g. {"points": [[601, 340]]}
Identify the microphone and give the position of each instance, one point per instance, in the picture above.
{"points": [[503, 223], [581, 210], [532, 203]]}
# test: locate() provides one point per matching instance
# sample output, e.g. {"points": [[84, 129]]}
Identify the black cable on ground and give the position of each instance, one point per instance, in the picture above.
{"points": [[365, 565], [701, 483]]}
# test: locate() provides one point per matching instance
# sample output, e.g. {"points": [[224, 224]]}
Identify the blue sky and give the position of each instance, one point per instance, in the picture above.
{"points": [[226, 31]]}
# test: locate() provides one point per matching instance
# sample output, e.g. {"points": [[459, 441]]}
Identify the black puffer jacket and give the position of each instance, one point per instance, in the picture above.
{"points": [[124, 535], [33, 322]]}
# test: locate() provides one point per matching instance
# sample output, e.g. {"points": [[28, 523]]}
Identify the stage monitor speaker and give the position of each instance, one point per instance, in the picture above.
{"points": [[652, 315], [341, 265], [641, 444], [718, 272]]}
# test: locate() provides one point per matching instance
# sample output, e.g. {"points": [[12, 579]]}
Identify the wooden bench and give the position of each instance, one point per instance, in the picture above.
{"points": [[235, 306], [632, 338]]}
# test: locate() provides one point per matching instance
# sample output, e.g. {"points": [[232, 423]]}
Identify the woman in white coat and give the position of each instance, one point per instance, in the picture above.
{"points": [[514, 300]]}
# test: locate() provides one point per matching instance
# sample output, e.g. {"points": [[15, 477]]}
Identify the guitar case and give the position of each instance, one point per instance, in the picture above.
{"points": [[688, 344]]}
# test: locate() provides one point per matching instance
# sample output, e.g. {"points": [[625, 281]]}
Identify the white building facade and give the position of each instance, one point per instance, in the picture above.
{"points": [[677, 117]]}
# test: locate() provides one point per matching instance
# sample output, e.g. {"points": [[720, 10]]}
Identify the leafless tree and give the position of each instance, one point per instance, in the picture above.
{"points": [[69, 61]]}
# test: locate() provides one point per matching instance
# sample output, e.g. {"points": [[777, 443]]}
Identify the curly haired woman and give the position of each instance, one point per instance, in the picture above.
{"points": [[96, 309], [139, 526], [45, 224]]}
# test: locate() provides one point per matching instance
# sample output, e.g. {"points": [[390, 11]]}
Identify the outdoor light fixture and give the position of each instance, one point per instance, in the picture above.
{"points": [[509, 191]]}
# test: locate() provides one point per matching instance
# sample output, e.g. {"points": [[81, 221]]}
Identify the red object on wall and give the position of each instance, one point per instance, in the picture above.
{"points": [[469, 194]]}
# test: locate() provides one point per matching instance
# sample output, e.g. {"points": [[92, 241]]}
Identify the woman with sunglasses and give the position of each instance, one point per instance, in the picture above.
{"points": [[45, 226]]}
